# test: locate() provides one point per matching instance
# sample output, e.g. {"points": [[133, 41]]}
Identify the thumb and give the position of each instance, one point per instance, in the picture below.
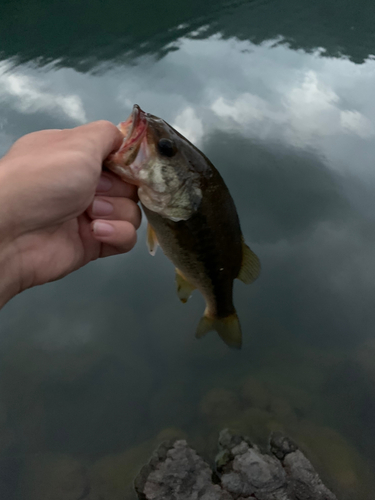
{"points": [[106, 136]]}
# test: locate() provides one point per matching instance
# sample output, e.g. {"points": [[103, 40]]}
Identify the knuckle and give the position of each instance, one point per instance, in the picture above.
{"points": [[106, 125]]}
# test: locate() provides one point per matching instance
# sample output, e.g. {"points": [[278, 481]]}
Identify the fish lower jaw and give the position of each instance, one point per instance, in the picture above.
{"points": [[128, 167], [125, 174], [141, 159]]}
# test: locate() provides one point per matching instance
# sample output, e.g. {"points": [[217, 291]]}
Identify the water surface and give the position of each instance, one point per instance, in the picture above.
{"points": [[97, 368]]}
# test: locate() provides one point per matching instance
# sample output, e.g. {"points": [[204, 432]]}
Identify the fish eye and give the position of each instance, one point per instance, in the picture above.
{"points": [[167, 147]]}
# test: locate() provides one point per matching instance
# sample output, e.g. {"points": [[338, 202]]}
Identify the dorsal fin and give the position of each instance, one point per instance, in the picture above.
{"points": [[250, 267], [152, 241]]}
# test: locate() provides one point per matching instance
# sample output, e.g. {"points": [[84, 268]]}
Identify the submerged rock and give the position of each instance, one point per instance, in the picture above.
{"points": [[54, 476], [219, 405], [112, 476], [177, 472], [337, 459], [255, 393], [256, 423]]}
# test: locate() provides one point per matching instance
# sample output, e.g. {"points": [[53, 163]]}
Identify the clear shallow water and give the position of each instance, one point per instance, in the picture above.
{"points": [[99, 367]]}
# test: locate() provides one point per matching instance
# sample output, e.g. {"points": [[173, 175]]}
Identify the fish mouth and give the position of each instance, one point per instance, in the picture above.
{"points": [[134, 130], [133, 127]]}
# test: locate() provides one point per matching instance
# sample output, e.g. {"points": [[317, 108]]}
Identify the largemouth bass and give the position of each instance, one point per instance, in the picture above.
{"points": [[191, 215]]}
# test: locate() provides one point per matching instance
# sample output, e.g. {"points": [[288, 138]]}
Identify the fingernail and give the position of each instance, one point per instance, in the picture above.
{"points": [[102, 228], [104, 184], [101, 207]]}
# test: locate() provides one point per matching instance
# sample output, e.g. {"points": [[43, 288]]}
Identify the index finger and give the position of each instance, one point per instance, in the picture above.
{"points": [[111, 185]]}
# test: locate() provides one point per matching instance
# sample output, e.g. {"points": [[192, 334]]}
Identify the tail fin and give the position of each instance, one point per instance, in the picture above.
{"points": [[228, 328]]}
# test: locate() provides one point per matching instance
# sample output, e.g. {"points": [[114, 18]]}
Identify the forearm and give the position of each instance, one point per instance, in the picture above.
{"points": [[8, 281]]}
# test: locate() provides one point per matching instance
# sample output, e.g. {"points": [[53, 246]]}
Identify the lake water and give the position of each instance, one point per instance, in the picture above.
{"points": [[97, 368]]}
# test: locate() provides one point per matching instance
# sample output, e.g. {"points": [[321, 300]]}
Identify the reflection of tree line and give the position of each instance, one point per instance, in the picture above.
{"points": [[83, 36]]}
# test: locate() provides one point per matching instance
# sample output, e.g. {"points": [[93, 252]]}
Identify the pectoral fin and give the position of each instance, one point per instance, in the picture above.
{"points": [[250, 268], [228, 328], [152, 241], [184, 288]]}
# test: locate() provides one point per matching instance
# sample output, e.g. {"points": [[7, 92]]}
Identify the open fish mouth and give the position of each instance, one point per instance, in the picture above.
{"points": [[134, 130], [134, 150], [134, 125]]}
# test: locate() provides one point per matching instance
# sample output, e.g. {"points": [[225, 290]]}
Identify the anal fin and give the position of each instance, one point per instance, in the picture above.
{"points": [[152, 241], [250, 268], [184, 288]]}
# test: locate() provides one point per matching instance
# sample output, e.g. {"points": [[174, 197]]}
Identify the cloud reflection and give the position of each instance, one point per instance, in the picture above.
{"points": [[28, 94], [291, 132]]}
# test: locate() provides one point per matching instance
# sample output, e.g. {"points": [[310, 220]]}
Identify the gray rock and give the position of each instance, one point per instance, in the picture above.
{"points": [[253, 472], [304, 481], [281, 445], [177, 472]]}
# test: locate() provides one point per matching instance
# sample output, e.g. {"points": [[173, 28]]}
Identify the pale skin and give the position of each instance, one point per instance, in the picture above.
{"points": [[58, 209]]}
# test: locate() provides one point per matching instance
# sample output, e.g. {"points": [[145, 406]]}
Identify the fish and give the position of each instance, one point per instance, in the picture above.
{"points": [[191, 216]]}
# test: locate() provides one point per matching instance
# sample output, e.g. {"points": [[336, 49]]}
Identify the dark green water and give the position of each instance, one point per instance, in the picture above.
{"points": [[96, 369]]}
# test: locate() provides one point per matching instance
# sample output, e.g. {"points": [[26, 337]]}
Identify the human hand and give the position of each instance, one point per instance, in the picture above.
{"points": [[57, 212]]}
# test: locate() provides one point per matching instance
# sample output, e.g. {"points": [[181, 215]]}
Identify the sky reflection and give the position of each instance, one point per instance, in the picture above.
{"points": [[267, 92], [292, 133]]}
